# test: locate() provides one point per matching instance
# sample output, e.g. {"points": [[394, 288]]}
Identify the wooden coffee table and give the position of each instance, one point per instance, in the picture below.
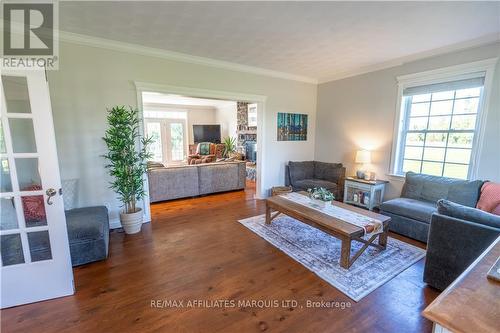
{"points": [[340, 229]]}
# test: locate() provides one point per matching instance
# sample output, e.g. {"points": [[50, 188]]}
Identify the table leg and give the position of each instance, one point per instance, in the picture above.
{"points": [[268, 214], [382, 239], [345, 253]]}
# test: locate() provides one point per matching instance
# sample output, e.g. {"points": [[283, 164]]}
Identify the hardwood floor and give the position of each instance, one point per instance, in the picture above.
{"points": [[195, 250]]}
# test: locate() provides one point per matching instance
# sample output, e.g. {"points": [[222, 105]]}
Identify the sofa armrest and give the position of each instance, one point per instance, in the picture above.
{"points": [[452, 246], [287, 176]]}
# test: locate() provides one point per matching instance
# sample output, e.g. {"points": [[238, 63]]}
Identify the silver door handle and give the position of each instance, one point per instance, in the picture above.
{"points": [[50, 193]]}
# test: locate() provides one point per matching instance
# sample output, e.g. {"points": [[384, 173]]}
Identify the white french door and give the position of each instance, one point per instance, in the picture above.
{"points": [[35, 258], [169, 140]]}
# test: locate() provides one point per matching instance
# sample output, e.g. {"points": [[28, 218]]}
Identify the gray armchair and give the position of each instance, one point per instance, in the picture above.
{"points": [[457, 236], [309, 174]]}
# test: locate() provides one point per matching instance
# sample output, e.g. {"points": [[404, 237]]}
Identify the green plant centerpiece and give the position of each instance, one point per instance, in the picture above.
{"points": [[229, 146], [321, 193], [127, 157]]}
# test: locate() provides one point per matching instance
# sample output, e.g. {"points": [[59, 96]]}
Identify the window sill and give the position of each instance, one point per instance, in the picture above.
{"points": [[396, 177]]}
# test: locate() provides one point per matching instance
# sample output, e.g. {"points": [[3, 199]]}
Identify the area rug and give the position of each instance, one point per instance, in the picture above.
{"points": [[320, 253]]}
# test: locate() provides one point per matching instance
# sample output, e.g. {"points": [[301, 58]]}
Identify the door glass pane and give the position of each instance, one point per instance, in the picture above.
{"points": [[8, 214], [5, 180], [16, 94], [154, 131], [177, 141], [23, 135], [3, 150], [34, 210], [12, 249], [28, 175], [39, 245]]}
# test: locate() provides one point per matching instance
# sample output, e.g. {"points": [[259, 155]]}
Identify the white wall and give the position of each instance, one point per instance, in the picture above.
{"points": [[91, 79], [199, 116], [227, 117], [359, 112]]}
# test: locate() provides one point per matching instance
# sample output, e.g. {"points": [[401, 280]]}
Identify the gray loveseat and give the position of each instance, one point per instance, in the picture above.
{"points": [[309, 174], [193, 180], [411, 213], [458, 235]]}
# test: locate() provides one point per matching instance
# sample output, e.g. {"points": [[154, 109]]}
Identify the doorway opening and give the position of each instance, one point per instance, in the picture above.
{"points": [[202, 128]]}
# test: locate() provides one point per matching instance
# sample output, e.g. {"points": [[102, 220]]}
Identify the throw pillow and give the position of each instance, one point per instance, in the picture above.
{"points": [[489, 201]]}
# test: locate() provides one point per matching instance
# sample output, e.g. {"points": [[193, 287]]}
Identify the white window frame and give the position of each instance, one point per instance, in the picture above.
{"points": [[452, 73]]}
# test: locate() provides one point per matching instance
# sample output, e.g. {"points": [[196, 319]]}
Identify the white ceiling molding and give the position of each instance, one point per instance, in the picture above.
{"points": [[176, 56], [489, 39]]}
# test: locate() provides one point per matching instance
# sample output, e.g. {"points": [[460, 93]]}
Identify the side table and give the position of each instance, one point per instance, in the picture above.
{"points": [[364, 193]]}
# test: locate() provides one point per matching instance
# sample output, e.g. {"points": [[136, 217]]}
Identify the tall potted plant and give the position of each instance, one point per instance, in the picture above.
{"points": [[127, 156]]}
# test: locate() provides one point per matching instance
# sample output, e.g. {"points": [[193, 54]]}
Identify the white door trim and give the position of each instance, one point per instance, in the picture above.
{"points": [[215, 94]]}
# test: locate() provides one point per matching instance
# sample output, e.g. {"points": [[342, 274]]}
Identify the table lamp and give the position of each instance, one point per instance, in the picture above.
{"points": [[363, 157]]}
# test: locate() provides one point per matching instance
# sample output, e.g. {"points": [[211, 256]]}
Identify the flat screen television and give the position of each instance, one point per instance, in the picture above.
{"points": [[206, 133]]}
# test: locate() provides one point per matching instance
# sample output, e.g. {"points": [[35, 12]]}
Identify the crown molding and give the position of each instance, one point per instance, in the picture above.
{"points": [[485, 40], [176, 56]]}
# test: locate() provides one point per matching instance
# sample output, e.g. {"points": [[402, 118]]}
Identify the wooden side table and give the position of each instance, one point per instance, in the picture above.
{"points": [[364, 193]]}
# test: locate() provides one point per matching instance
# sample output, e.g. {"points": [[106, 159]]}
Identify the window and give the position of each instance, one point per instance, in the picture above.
{"points": [[439, 126], [168, 130]]}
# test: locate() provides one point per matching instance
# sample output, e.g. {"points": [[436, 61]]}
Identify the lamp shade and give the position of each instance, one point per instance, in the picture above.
{"points": [[363, 156]]}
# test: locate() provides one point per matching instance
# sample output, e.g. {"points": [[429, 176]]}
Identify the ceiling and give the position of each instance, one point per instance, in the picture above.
{"points": [[318, 40]]}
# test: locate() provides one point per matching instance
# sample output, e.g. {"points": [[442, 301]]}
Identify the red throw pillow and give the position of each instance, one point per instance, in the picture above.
{"points": [[33, 206], [489, 201]]}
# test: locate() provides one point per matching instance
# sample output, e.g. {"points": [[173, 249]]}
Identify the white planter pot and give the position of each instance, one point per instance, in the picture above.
{"points": [[132, 222]]}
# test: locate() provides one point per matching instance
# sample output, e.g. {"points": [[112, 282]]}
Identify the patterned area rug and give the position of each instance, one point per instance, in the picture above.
{"points": [[320, 253]]}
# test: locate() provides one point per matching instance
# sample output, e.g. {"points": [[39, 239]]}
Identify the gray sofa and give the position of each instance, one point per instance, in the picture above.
{"points": [[309, 174], [411, 213], [458, 235], [193, 180]]}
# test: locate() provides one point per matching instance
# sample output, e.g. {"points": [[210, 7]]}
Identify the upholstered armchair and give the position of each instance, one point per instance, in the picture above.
{"points": [[206, 152]]}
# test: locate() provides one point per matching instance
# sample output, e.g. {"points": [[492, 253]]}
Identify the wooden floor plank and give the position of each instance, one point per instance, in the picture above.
{"points": [[195, 249]]}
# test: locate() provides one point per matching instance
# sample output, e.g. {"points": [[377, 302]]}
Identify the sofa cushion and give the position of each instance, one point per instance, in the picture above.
{"points": [[448, 208], [466, 193], [327, 171], [87, 223], [410, 208], [311, 183], [432, 188], [301, 170]]}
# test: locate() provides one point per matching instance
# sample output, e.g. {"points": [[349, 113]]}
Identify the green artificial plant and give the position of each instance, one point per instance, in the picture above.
{"points": [[229, 145], [321, 193], [127, 155]]}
